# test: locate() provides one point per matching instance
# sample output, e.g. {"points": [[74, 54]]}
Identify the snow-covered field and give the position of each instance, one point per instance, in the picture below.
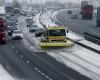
{"points": [[4, 75]]}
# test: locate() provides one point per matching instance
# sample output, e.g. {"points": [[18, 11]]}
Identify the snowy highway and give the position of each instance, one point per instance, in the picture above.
{"points": [[22, 59], [25, 60], [76, 56]]}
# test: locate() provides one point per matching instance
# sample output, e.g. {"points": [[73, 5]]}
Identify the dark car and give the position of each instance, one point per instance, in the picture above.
{"points": [[39, 32], [11, 28], [33, 28], [69, 12], [29, 22]]}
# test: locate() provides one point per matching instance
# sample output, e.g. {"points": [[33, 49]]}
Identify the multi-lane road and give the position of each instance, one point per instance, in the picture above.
{"points": [[78, 25], [22, 63]]}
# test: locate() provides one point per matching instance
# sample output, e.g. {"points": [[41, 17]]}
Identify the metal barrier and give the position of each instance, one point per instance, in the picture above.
{"points": [[92, 38]]}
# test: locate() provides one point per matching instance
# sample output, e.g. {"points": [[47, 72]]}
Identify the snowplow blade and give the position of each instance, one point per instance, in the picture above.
{"points": [[56, 44]]}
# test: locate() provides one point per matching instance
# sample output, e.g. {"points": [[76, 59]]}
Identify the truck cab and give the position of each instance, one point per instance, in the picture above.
{"points": [[56, 34]]}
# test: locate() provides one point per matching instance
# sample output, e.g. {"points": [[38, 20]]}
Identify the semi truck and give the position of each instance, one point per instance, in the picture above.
{"points": [[87, 12], [8, 10], [17, 8], [98, 17], [2, 30]]}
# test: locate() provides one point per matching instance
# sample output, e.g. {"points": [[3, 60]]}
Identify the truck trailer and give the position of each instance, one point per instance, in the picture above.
{"points": [[2, 30], [8, 10], [98, 17], [87, 12]]}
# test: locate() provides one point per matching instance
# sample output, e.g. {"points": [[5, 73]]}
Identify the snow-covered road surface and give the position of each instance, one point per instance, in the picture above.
{"points": [[82, 60], [4, 75], [78, 58]]}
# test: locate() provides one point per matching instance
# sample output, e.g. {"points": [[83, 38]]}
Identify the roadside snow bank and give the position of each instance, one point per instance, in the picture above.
{"points": [[4, 75]]}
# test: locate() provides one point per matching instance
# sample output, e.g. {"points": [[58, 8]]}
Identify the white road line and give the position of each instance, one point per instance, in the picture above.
{"points": [[47, 76], [27, 61], [12, 46], [16, 51], [50, 79], [42, 73], [21, 56]]}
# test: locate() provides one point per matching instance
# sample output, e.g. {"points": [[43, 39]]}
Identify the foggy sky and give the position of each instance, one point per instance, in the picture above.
{"points": [[39, 1]]}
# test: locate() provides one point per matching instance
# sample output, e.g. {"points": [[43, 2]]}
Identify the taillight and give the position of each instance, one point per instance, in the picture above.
{"points": [[3, 38]]}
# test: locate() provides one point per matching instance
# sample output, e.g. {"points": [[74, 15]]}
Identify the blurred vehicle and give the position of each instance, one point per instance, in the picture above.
{"points": [[39, 32], [7, 16], [23, 13], [74, 16], [11, 28], [28, 14], [2, 30], [35, 11], [29, 22], [87, 12], [2, 37], [33, 28], [8, 10], [12, 21], [98, 17], [69, 11], [17, 35]]}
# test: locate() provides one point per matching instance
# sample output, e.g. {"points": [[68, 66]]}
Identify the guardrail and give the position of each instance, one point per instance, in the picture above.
{"points": [[92, 38]]}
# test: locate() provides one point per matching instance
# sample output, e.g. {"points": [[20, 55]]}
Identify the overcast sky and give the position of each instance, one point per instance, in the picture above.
{"points": [[39, 1]]}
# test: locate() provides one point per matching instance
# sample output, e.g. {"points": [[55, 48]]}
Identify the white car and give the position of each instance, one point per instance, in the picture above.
{"points": [[74, 16], [16, 35]]}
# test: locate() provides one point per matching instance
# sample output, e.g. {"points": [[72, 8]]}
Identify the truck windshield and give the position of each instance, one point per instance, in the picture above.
{"points": [[59, 32]]}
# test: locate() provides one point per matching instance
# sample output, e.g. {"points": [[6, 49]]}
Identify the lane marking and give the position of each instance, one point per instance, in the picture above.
{"points": [[13, 47], [42, 73], [16, 51], [21, 56], [47, 76], [27, 61], [50, 79]]}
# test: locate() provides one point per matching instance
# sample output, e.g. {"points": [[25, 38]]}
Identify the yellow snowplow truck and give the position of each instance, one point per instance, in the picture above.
{"points": [[54, 37]]}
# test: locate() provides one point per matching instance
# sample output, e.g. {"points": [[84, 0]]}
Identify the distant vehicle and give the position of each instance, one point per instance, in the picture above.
{"points": [[2, 37], [11, 22], [33, 28], [7, 16], [35, 11], [39, 32], [28, 14], [23, 13], [87, 12], [2, 31], [84, 3], [17, 35], [2, 11], [11, 28], [74, 16], [29, 22], [16, 8], [69, 11], [9, 9], [98, 17]]}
